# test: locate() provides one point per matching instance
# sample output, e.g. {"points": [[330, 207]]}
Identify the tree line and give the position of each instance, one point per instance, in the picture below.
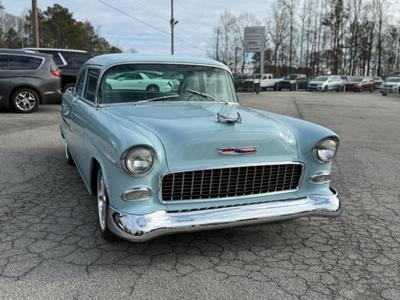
{"points": [[58, 29], [347, 37]]}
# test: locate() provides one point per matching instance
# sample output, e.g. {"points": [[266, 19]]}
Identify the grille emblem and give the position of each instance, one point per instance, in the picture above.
{"points": [[237, 151]]}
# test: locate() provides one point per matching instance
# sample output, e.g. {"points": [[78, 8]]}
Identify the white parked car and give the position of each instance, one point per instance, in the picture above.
{"points": [[140, 81], [391, 84], [326, 83], [266, 81]]}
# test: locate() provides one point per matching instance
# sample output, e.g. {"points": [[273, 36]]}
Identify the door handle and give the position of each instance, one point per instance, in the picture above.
{"points": [[74, 102]]}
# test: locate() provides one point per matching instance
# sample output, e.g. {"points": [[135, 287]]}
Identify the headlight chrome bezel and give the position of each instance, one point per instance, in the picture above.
{"points": [[316, 148], [126, 154]]}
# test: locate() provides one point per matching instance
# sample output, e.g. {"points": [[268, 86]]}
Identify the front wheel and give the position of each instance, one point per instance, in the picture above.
{"points": [[153, 89], [102, 208], [25, 100]]}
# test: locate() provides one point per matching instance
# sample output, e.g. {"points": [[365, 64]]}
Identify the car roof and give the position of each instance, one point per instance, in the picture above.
{"points": [[108, 60], [25, 52], [56, 49]]}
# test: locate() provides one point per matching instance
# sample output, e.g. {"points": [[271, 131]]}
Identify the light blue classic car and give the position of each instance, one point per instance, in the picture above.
{"points": [[162, 162]]}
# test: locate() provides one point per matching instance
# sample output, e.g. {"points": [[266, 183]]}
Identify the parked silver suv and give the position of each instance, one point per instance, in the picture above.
{"points": [[326, 83]]}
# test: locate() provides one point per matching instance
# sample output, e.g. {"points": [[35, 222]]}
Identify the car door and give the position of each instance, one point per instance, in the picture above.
{"points": [[4, 80], [82, 112], [68, 114]]}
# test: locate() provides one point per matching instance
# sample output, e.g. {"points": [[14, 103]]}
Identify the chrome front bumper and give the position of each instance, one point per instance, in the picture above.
{"points": [[140, 228]]}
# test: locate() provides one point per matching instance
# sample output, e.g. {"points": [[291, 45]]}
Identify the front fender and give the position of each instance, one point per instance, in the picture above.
{"points": [[109, 139], [307, 136]]}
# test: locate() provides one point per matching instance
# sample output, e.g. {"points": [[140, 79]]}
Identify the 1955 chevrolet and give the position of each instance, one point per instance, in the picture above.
{"points": [[162, 161]]}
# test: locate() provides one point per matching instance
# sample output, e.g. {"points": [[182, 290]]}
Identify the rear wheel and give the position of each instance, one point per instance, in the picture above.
{"points": [[102, 208], [69, 88], [25, 100]]}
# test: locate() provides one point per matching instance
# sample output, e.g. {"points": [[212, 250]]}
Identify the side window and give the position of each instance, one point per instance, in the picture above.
{"points": [[92, 76], [80, 82], [3, 62], [19, 63]]}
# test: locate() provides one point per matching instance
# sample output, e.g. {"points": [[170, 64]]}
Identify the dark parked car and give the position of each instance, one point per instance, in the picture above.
{"points": [[28, 80], [69, 61], [359, 84], [292, 82]]}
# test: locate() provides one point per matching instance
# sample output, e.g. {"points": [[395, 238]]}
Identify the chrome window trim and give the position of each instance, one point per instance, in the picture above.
{"points": [[81, 73], [65, 63], [55, 49], [93, 103], [104, 70], [171, 171], [26, 55]]}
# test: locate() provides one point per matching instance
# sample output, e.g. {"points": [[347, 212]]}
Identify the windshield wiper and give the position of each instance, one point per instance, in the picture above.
{"points": [[158, 99], [207, 96]]}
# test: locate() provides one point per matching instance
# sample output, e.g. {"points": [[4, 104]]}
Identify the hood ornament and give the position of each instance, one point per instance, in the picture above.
{"points": [[237, 151], [228, 120]]}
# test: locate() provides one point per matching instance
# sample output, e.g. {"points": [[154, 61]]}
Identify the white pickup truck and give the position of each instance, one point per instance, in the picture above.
{"points": [[266, 81]]}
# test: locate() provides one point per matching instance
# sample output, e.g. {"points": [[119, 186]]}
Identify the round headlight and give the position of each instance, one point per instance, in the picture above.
{"points": [[326, 150], [139, 160]]}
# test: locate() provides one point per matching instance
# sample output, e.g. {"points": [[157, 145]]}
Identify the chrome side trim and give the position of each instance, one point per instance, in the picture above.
{"points": [[141, 228], [311, 180], [137, 190], [171, 171]]}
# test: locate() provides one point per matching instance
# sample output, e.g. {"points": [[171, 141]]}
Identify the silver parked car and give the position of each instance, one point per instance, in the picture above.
{"points": [[326, 83], [391, 85]]}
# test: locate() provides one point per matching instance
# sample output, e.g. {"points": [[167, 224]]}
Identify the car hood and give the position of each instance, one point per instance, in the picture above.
{"points": [[191, 134]]}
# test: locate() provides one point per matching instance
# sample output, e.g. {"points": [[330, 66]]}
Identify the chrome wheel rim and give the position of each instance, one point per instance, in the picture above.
{"points": [[25, 101], [70, 89], [102, 202]]}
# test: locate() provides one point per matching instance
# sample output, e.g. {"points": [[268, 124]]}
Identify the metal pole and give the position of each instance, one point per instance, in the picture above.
{"points": [[35, 23], [173, 22], [262, 53]]}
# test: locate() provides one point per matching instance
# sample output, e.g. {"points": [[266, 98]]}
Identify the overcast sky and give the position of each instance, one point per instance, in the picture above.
{"points": [[196, 20]]}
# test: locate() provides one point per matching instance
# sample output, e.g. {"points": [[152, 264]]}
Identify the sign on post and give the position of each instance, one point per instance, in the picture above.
{"points": [[254, 40]]}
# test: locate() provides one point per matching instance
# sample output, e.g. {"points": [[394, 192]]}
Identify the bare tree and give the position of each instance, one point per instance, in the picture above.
{"points": [[380, 8], [290, 6]]}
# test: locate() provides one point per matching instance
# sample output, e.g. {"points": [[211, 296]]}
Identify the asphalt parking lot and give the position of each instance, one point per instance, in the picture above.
{"points": [[50, 248]]}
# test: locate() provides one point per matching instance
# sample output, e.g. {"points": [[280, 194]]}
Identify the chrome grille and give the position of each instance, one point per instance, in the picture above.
{"points": [[230, 182]]}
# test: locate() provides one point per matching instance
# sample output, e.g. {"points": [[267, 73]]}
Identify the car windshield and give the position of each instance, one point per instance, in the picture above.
{"points": [[321, 78], [166, 82], [356, 79], [393, 79]]}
